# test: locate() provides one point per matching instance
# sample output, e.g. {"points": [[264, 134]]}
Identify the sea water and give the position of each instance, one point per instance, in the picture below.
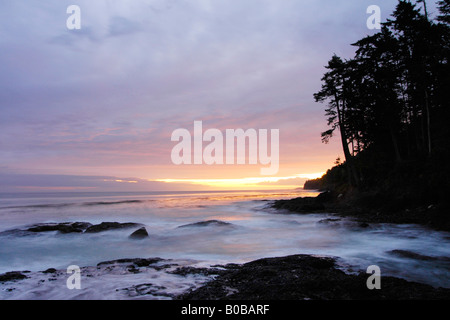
{"points": [[251, 230]]}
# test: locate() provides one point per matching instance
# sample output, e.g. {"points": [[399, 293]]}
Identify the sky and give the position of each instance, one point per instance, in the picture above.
{"points": [[94, 109]]}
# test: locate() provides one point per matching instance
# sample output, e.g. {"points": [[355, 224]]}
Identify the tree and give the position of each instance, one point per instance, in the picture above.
{"points": [[393, 96], [334, 91], [444, 8]]}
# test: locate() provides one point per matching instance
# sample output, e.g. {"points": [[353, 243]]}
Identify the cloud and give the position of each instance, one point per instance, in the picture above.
{"points": [[44, 182], [121, 26], [107, 97], [73, 37]]}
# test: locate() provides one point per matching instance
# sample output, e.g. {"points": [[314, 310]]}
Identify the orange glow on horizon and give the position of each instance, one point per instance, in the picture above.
{"points": [[266, 183]]}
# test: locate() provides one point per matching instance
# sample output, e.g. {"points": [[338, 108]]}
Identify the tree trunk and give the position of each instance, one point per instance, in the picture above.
{"points": [[428, 129], [352, 175]]}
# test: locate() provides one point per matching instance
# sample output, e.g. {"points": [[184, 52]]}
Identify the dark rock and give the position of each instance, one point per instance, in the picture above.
{"points": [[65, 227], [50, 270], [139, 234], [77, 227], [164, 266], [322, 203], [12, 276], [305, 277], [206, 223], [137, 262], [369, 207], [71, 227], [105, 226], [132, 269], [146, 289], [183, 271]]}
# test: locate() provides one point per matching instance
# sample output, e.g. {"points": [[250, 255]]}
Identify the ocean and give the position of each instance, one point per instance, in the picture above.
{"points": [[244, 228]]}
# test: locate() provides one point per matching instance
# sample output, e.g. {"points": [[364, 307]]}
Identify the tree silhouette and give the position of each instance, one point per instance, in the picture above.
{"points": [[390, 102]]}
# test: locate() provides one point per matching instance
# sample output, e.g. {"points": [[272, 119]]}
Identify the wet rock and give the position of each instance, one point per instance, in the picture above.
{"points": [[132, 269], [146, 289], [70, 227], [139, 234], [206, 223], [305, 277], [139, 262], [105, 226], [65, 227], [12, 276], [184, 271], [318, 204], [50, 270]]}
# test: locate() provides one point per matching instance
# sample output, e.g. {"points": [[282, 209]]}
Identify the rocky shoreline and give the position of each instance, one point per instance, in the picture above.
{"points": [[305, 277], [368, 208], [295, 277]]}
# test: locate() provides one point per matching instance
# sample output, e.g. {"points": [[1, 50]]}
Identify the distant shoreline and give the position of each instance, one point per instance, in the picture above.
{"points": [[356, 206]]}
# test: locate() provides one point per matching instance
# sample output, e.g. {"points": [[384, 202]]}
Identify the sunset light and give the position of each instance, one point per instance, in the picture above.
{"points": [[254, 183], [241, 150]]}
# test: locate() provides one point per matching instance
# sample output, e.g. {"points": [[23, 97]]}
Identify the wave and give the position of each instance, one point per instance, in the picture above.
{"points": [[105, 203]]}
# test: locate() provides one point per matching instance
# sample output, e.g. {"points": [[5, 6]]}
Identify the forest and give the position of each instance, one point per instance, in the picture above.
{"points": [[389, 106]]}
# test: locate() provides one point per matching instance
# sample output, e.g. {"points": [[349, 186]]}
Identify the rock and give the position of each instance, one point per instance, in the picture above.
{"points": [[137, 262], [105, 226], [11, 276], [184, 271], [318, 204], [206, 223], [146, 289], [72, 227], [65, 227], [139, 234], [50, 270], [301, 277], [76, 227]]}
